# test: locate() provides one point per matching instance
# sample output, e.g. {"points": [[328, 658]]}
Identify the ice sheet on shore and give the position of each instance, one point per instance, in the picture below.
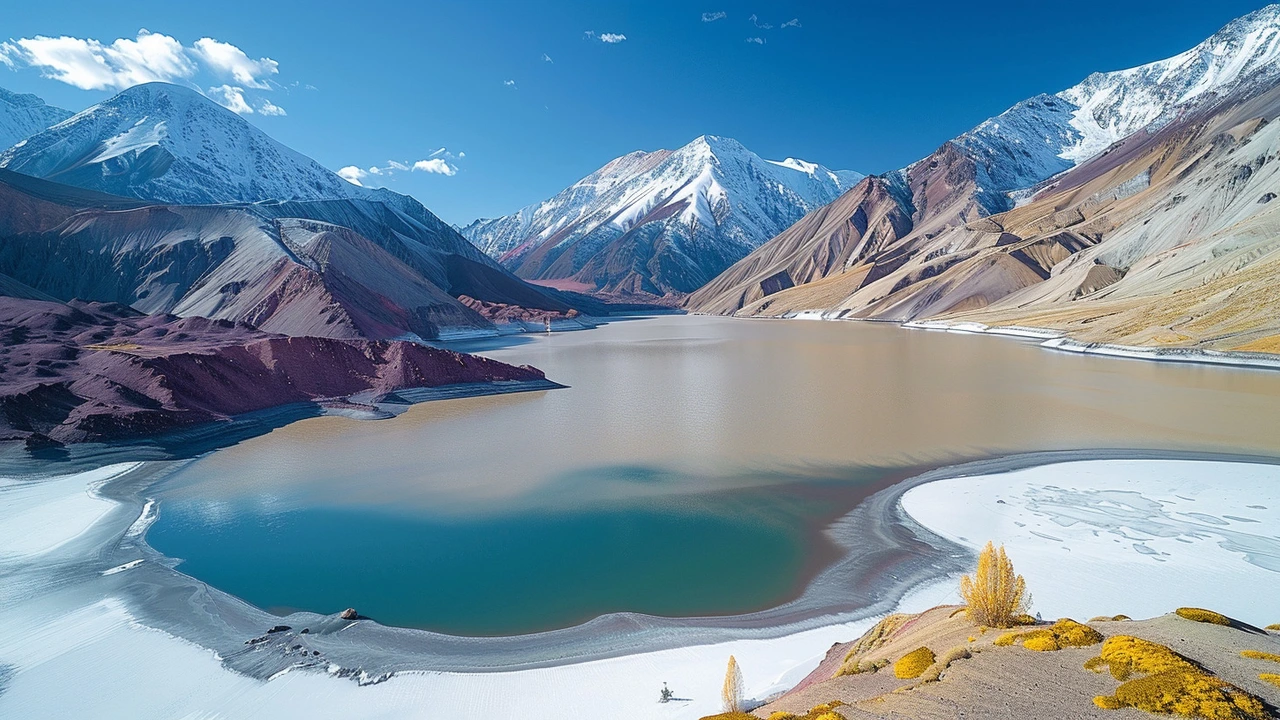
{"points": [[1208, 532], [1138, 537]]}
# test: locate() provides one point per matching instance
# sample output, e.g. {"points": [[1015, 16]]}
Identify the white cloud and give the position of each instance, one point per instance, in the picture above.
{"points": [[509, 83], [547, 58], [90, 65], [228, 60], [7, 54], [352, 174], [231, 98], [793, 22], [756, 40], [714, 16], [762, 26], [436, 165], [269, 108], [611, 38]]}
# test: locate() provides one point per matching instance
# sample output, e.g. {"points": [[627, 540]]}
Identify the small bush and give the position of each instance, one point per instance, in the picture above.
{"points": [[913, 664], [825, 711], [1157, 679], [1204, 616], [1064, 633], [1274, 628], [1110, 618], [1272, 678], [1259, 655], [939, 666], [994, 595], [875, 637]]}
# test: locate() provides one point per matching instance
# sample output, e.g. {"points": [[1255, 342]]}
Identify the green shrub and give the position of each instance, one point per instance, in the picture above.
{"points": [[913, 664]]}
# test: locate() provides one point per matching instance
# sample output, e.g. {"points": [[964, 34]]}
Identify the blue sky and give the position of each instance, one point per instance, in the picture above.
{"points": [[527, 97]]}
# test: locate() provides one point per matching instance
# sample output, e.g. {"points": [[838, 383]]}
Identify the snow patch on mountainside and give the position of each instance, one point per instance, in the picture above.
{"points": [[1045, 135], [713, 184], [23, 115]]}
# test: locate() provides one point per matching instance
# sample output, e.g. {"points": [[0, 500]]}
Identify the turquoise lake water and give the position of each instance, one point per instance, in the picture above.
{"points": [[689, 468]]}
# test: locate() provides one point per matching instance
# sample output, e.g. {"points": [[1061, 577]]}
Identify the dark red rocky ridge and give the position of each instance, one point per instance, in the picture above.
{"points": [[80, 372]]}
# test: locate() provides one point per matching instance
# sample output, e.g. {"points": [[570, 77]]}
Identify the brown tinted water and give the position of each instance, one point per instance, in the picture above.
{"points": [[710, 423]]}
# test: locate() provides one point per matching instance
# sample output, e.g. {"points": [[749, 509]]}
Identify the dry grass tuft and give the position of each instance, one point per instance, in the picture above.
{"points": [[1274, 628], [1272, 678], [1204, 616], [870, 640], [995, 595], [913, 664], [1157, 679], [1259, 655], [1109, 618], [1063, 633], [939, 666], [825, 711]]}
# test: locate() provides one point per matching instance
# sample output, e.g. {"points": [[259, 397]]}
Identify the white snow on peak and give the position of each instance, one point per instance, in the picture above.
{"points": [[713, 187], [23, 115], [170, 143], [1048, 134]]}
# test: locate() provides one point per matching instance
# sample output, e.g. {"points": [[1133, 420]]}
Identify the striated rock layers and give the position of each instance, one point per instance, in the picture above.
{"points": [[99, 371]]}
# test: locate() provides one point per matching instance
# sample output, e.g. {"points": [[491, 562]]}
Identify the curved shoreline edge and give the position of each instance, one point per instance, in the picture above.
{"points": [[887, 556], [1057, 340]]}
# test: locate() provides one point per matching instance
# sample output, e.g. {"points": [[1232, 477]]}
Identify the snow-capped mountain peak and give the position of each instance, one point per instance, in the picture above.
{"points": [[170, 143], [711, 197], [1048, 134]]}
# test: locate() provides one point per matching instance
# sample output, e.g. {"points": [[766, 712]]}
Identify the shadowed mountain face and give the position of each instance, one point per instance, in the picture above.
{"points": [[22, 116], [261, 264], [92, 371], [659, 222], [1093, 251], [169, 144]]}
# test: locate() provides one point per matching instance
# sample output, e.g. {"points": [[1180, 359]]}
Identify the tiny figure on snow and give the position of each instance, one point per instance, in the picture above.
{"points": [[667, 695]]}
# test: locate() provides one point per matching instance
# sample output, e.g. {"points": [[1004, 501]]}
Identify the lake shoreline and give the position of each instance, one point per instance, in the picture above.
{"points": [[886, 554], [109, 560]]}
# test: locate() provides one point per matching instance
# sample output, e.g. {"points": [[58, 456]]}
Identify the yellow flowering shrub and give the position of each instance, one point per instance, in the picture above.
{"points": [[1063, 633], [1259, 655], [913, 664], [1202, 615], [1157, 679], [1272, 678]]}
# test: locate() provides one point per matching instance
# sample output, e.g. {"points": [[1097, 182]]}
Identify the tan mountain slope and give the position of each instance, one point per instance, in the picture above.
{"points": [[1166, 238]]}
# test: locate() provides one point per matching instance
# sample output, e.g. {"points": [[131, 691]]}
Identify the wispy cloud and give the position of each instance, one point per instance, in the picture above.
{"points": [[757, 40], [231, 98], [547, 58], [228, 60], [793, 22], [269, 108], [763, 26], [437, 162], [509, 83], [610, 38], [714, 16]]}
